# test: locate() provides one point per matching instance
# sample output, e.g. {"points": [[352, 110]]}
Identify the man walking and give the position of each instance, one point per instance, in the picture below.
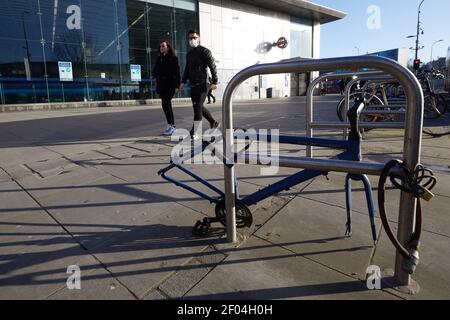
{"points": [[197, 62]]}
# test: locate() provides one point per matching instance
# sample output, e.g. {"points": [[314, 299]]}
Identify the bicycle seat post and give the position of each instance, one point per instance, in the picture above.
{"points": [[353, 116]]}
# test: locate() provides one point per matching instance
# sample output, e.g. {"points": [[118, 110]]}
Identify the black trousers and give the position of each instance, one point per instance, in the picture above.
{"points": [[198, 96], [166, 97]]}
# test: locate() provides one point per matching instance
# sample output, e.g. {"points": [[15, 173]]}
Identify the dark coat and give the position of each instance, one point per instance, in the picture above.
{"points": [[167, 73], [198, 59]]}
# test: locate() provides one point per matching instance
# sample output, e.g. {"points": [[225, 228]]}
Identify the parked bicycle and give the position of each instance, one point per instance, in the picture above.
{"points": [[435, 103], [376, 99]]}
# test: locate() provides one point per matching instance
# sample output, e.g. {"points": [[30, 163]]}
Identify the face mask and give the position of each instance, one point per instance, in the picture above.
{"points": [[193, 43]]}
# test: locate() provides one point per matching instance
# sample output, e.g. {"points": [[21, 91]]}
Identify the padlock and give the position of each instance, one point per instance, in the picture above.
{"points": [[425, 194]]}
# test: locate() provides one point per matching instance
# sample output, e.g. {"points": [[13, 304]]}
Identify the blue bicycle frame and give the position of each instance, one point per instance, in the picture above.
{"points": [[351, 152]]}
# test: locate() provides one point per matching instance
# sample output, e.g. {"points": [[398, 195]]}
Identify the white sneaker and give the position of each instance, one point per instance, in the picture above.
{"points": [[171, 130], [167, 130]]}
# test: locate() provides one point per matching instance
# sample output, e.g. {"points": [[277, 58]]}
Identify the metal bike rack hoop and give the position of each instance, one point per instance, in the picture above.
{"points": [[412, 140]]}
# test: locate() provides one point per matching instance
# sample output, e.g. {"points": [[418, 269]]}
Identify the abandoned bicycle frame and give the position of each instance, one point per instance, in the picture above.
{"points": [[412, 141]]}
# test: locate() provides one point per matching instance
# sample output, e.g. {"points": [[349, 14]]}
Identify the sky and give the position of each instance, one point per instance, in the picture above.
{"points": [[398, 19]]}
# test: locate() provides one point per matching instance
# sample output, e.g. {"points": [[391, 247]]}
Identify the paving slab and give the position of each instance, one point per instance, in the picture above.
{"points": [[4, 177], [437, 219], [123, 152], [155, 294], [95, 285], [260, 270], [17, 171], [71, 148], [26, 233], [50, 168], [15, 202], [317, 231], [144, 256], [161, 148], [181, 282], [332, 191], [144, 168], [89, 158], [432, 274], [21, 154], [62, 183], [105, 209], [443, 185], [35, 253]]}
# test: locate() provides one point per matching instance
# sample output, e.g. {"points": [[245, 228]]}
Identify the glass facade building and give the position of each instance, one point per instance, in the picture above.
{"points": [[62, 51], [104, 40]]}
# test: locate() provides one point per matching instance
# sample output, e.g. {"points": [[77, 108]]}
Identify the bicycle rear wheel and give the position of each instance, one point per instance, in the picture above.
{"points": [[435, 106], [340, 109], [342, 113]]}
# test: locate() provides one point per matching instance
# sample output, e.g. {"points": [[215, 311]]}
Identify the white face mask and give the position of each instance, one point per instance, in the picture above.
{"points": [[194, 43]]}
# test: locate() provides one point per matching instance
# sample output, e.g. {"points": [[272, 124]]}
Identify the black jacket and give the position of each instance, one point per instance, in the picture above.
{"points": [[167, 73], [198, 59]]}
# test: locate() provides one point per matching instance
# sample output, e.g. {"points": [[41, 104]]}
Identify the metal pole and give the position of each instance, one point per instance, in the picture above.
{"points": [[43, 51], [323, 165], [362, 125], [418, 32], [432, 47], [412, 140], [229, 171]]}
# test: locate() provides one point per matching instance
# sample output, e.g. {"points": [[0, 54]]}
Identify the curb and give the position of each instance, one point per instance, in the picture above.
{"points": [[80, 105]]}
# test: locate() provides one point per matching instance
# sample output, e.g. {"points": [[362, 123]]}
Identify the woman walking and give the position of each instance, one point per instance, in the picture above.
{"points": [[167, 74]]}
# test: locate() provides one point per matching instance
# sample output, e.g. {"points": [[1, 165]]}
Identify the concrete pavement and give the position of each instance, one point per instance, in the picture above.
{"points": [[80, 187]]}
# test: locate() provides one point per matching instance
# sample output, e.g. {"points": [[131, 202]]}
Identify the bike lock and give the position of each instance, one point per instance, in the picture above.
{"points": [[419, 183]]}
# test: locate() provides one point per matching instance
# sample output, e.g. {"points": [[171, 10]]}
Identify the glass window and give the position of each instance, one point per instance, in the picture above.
{"points": [[101, 38], [301, 38], [22, 68], [62, 31]]}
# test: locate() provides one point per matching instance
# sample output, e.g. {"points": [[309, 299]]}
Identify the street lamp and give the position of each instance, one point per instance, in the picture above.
{"points": [[418, 29], [418, 32], [436, 42], [357, 48]]}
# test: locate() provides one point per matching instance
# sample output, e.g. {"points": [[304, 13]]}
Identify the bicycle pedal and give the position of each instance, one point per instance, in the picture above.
{"points": [[201, 228]]}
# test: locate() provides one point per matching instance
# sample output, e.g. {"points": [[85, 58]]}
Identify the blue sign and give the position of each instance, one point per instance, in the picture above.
{"points": [[136, 75], [65, 71]]}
